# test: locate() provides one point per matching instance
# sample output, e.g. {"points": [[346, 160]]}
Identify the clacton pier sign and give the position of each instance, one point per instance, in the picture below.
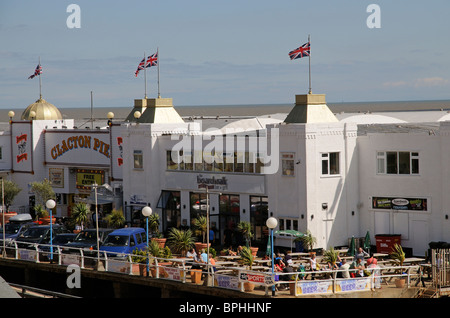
{"points": [[78, 147]]}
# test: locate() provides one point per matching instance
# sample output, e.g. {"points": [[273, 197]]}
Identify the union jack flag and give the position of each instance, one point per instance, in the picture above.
{"points": [[300, 52], [140, 67], [37, 71], [152, 60]]}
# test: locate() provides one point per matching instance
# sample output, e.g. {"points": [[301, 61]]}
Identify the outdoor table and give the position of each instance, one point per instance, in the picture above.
{"points": [[413, 260], [230, 257], [262, 261], [380, 255], [225, 263], [299, 254]]}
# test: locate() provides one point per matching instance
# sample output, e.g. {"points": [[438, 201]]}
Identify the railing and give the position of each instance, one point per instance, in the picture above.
{"points": [[235, 278]]}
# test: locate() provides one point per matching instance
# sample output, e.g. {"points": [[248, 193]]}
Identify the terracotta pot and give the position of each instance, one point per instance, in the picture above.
{"points": [[249, 287], [7, 216], [46, 220], [196, 276], [161, 241], [400, 282], [292, 289], [254, 250], [199, 246], [140, 269]]}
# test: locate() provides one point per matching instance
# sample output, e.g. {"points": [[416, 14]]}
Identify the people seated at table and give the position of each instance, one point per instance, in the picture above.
{"points": [[313, 265], [230, 251], [360, 254], [371, 260], [343, 267], [279, 264]]}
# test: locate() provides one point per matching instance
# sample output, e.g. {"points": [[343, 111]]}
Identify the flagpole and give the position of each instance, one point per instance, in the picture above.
{"points": [[157, 54], [309, 59], [40, 83], [145, 76]]}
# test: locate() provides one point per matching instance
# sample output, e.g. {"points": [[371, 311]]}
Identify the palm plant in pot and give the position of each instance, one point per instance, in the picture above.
{"points": [[308, 241], [399, 256], [246, 230], [153, 227], [180, 241], [139, 259], [247, 259], [200, 225], [331, 256]]}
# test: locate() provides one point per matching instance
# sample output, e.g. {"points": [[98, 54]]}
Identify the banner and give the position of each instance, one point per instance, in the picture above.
{"points": [[225, 281], [409, 204], [316, 287], [22, 146]]}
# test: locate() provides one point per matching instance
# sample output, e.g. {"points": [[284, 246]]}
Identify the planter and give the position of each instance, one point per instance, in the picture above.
{"points": [[161, 241], [292, 288], [46, 220], [249, 287], [254, 250], [196, 276], [400, 282], [7, 216], [200, 246], [139, 269]]}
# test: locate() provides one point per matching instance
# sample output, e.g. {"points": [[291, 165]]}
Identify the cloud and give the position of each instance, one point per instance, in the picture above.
{"points": [[431, 82], [419, 82]]}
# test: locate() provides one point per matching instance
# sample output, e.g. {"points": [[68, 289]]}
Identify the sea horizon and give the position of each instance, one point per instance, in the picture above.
{"points": [[121, 112]]}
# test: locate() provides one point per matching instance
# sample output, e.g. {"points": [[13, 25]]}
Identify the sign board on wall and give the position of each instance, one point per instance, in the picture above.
{"points": [[77, 147], [22, 146], [87, 177], [56, 177], [397, 203]]}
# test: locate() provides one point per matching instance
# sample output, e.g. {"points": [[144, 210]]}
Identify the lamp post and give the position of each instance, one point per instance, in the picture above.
{"points": [[3, 220], [271, 224], [146, 212], [50, 204]]}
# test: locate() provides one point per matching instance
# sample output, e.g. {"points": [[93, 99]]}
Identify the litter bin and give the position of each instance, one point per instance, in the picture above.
{"points": [[385, 242]]}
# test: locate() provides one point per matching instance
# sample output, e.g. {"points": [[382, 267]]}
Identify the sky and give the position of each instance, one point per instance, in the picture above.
{"points": [[231, 52]]}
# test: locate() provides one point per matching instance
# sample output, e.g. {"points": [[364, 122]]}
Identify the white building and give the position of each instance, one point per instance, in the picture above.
{"points": [[336, 175]]}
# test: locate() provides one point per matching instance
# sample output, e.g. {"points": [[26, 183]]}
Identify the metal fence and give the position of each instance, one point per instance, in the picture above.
{"points": [[235, 278]]}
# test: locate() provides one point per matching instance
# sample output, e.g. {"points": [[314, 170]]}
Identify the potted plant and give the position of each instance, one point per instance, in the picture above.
{"points": [[180, 241], [153, 226], [200, 225], [246, 229], [398, 255], [115, 219], [247, 259], [139, 259], [308, 241], [80, 214], [330, 256]]}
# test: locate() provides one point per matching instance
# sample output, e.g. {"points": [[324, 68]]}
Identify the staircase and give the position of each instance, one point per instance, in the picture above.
{"points": [[429, 292]]}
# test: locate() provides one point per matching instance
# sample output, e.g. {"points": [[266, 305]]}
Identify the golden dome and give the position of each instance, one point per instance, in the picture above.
{"points": [[43, 110]]}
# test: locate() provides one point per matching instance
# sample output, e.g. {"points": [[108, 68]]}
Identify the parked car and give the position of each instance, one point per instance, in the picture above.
{"points": [[59, 240], [87, 240], [124, 241], [16, 225], [38, 234]]}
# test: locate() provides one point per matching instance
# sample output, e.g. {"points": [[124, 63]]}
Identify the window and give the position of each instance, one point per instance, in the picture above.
{"points": [[397, 162], [330, 163], [288, 224], [138, 159], [287, 164]]}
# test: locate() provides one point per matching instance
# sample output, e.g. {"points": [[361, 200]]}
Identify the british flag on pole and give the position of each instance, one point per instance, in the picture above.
{"points": [[301, 51], [152, 60], [140, 67], [37, 71]]}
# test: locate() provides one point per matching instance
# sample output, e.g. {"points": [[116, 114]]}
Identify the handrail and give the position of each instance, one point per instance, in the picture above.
{"points": [[266, 278]]}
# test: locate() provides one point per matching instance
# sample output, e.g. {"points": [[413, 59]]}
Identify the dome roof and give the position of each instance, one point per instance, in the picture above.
{"points": [[43, 110]]}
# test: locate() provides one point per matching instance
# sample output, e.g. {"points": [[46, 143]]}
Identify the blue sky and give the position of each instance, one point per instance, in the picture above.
{"points": [[223, 52]]}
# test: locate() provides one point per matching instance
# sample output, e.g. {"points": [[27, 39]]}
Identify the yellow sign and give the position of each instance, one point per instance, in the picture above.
{"points": [[87, 177]]}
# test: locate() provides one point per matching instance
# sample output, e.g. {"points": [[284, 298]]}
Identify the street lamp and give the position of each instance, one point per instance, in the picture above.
{"points": [[146, 212], [50, 204], [271, 224]]}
